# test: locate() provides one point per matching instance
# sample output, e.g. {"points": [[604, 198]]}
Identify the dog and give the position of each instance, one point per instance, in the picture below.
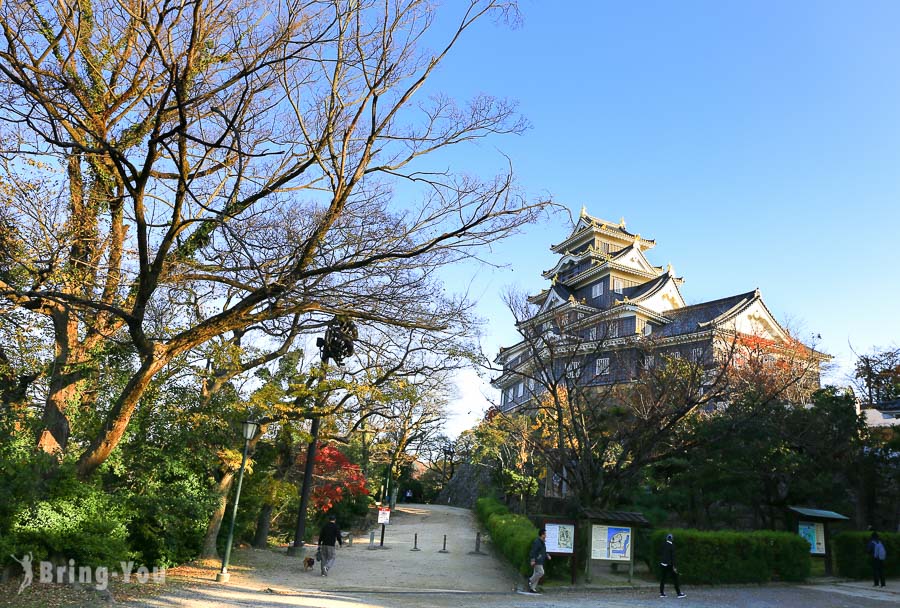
{"points": [[308, 563]]}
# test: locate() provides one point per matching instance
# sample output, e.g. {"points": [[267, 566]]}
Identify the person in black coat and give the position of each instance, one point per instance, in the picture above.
{"points": [[538, 556], [328, 536], [667, 562]]}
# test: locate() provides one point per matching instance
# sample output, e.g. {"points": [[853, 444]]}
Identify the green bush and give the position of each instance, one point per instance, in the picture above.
{"points": [[485, 507], [76, 521], [852, 560], [735, 557], [511, 534]]}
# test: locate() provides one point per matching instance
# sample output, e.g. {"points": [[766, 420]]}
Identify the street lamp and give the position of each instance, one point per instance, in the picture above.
{"points": [[249, 430]]}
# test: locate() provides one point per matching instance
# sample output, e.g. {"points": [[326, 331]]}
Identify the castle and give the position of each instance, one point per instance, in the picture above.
{"points": [[605, 295]]}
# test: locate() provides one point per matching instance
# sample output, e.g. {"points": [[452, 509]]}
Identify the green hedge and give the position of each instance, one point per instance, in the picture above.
{"points": [[735, 557], [511, 534], [852, 560]]}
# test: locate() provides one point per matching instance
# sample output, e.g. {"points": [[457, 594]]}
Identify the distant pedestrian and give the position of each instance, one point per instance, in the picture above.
{"points": [[328, 535], [409, 495], [875, 549], [667, 562], [538, 556]]}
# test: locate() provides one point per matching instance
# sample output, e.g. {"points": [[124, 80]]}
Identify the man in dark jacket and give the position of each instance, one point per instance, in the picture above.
{"points": [[328, 535], [875, 549], [537, 555], [667, 562]]}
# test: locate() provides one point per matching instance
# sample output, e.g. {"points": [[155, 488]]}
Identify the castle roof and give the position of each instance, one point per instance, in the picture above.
{"points": [[690, 319], [588, 225]]}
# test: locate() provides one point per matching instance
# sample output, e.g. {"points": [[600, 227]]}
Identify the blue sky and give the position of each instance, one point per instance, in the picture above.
{"points": [[757, 142]]}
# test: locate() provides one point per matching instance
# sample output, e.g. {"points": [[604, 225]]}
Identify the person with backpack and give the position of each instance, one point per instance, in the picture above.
{"points": [[667, 562], [875, 548]]}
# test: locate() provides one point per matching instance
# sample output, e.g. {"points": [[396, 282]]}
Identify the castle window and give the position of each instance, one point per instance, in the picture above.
{"points": [[696, 354], [592, 334], [649, 362], [618, 285], [613, 329], [602, 367], [574, 371], [521, 388], [597, 290]]}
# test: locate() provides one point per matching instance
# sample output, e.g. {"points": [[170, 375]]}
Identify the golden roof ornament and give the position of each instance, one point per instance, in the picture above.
{"points": [[584, 211], [554, 279], [670, 270], [622, 221]]}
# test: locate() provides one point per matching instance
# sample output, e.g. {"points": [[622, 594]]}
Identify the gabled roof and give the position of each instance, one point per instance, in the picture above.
{"points": [[587, 225], [623, 256], [692, 318], [651, 288], [558, 295]]}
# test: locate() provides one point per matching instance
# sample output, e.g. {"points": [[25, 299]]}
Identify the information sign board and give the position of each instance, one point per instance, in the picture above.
{"points": [[612, 543]]}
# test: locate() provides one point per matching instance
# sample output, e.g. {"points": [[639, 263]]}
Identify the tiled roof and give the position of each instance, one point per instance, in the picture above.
{"points": [[690, 318], [650, 287]]}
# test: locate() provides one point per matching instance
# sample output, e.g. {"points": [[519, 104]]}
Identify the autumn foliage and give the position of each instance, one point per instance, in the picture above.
{"points": [[334, 479]]}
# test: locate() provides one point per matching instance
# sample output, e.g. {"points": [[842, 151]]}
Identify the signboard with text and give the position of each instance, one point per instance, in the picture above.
{"points": [[384, 515], [611, 543], [814, 533], [560, 538]]}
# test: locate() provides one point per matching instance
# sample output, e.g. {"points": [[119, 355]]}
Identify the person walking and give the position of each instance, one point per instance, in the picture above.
{"points": [[538, 556], [875, 548], [667, 561], [328, 535]]}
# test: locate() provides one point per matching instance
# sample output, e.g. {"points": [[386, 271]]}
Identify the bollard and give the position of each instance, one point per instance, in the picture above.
{"points": [[415, 542], [477, 550], [372, 539], [444, 550]]}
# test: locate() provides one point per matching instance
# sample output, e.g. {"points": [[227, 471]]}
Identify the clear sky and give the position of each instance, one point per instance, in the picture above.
{"points": [[757, 142]]}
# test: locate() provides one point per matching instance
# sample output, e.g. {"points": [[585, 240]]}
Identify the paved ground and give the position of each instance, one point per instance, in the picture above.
{"points": [[401, 578]]}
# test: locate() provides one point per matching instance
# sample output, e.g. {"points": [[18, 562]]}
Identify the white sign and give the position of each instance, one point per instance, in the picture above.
{"points": [[611, 543], [384, 515], [814, 533], [560, 538]]}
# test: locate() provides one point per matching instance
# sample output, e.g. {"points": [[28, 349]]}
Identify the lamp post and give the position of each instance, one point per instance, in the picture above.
{"points": [[249, 429]]}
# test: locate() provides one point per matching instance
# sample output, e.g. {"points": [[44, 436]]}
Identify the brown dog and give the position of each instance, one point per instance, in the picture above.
{"points": [[308, 563]]}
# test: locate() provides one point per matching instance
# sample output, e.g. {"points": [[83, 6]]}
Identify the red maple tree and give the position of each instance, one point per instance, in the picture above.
{"points": [[334, 478]]}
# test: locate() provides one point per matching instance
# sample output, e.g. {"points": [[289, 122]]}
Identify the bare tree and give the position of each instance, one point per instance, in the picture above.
{"points": [[597, 430], [162, 158]]}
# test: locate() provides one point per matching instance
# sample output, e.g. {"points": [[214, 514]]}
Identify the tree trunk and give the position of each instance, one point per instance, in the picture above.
{"points": [[215, 522], [119, 417], [261, 539]]}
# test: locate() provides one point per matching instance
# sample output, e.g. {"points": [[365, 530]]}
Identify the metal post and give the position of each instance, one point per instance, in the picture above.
{"points": [[372, 539], [381, 544], [223, 576], [477, 550], [444, 550], [415, 542]]}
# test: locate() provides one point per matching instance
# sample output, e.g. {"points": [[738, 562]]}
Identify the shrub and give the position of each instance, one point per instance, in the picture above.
{"points": [[735, 557], [77, 521], [511, 534], [852, 560]]}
